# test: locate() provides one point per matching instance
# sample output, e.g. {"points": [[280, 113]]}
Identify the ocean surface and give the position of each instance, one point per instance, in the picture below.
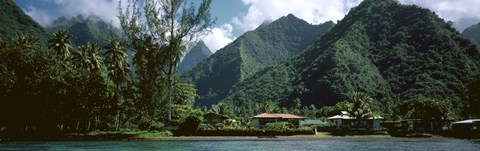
{"points": [[252, 145]]}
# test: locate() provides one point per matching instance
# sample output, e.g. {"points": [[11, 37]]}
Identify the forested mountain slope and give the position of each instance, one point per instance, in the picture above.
{"points": [[266, 46], [382, 48], [473, 33], [84, 29], [197, 54], [14, 23]]}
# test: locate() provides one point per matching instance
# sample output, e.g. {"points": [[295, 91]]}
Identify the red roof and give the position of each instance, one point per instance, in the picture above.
{"points": [[278, 116]]}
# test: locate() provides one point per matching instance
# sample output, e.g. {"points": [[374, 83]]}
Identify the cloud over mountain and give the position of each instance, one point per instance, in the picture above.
{"points": [[463, 13]]}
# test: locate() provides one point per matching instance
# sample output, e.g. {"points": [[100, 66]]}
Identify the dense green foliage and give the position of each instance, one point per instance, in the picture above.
{"points": [[83, 30], [15, 23], [420, 108], [473, 33], [170, 26], [382, 48], [196, 55], [266, 46], [64, 89], [473, 96], [41, 92]]}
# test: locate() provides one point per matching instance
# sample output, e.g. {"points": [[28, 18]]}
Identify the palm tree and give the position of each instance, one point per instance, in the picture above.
{"points": [[117, 70], [61, 44], [26, 42], [87, 57], [116, 60], [359, 107]]}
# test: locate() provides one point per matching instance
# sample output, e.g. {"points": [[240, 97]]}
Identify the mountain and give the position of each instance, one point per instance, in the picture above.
{"points": [[382, 48], [84, 29], [197, 54], [14, 23], [255, 50], [473, 33]]}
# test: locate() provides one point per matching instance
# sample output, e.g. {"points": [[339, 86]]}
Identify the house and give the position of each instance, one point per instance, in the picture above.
{"points": [[466, 129], [466, 125], [345, 120], [214, 118], [261, 120], [425, 125]]}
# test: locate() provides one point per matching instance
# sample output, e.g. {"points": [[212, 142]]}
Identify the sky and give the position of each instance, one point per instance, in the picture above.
{"points": [[235, 17]]}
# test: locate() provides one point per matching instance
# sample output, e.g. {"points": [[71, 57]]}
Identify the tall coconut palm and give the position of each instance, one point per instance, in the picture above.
{"points": [[359, 107], [117, 70], [61, 44], [88, 58], [116, 61]]}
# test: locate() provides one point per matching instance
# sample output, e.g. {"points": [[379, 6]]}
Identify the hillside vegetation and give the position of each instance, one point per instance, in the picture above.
{"points": [[15, 23], [196, 55], [84, 29], [266, 46], [383, 48], [473, 34]]}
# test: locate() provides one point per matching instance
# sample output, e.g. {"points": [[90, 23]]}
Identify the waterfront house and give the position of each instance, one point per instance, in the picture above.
{"points": [[344, 120], [425, 125], [214, 118], [261, 120], [466, 125]]}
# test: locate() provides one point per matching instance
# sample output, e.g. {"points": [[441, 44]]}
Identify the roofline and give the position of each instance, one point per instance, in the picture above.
{"points": [[276, 117]]}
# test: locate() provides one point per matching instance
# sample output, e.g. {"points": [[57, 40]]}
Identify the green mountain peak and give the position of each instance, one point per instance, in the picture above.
{"points": [[15, 23], [473, 34], [382, 48], [255, 50], [84, 29], [197, 54]]}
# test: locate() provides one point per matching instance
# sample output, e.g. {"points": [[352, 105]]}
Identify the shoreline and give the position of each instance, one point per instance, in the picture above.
{"points": [[286, 138], [319, 136]]}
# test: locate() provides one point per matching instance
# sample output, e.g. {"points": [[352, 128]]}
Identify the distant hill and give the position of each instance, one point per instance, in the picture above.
{"points": [[382, 48], [266, 46], [84, 29], [14, 23], [197, 54], [473, 33]]}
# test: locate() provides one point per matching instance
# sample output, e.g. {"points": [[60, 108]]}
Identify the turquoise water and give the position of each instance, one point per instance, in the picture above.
{"points": [[285, 145]]}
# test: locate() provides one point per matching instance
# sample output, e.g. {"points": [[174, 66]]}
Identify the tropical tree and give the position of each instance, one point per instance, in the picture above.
{"points": [[297, 106], [61, 44], [426, 109], [223, 109], [430, 111], [473, 93], [88, 58], [117, 70], [360, 107], [116, 61], [172, 24]]}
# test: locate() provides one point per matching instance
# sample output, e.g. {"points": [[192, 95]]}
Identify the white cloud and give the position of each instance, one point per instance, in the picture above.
{"points": [[219, 37], [463, 13], [106, 10], [41, 16], [312, 11]]}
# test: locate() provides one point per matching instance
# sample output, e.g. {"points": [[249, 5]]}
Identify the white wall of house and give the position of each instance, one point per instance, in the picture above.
{"points": [[337, 122]]}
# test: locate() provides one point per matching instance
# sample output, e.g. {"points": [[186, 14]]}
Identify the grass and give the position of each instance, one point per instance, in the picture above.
{"points": [[135, 134]]}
